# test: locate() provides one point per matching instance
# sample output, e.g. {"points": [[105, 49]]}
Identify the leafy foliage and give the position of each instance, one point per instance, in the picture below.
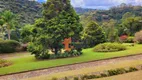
{"points": [[9, 22], [110, 30], [120, 20], [26, 33], [109, 47], [26, 10], [59, 21], [8, 46], [93, 34], [115, 13], [130, 26]]}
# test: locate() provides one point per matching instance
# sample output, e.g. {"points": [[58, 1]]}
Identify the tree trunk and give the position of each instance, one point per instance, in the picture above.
{"points": [[8, 31], [56, 50]]}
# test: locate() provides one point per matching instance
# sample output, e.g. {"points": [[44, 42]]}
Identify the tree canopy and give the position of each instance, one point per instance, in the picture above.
{"points": [[59, 21], [93, 34]]}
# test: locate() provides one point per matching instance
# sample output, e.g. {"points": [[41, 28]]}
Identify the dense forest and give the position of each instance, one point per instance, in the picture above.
{"points": [[115, 13], [118, 20], [27, 11]]}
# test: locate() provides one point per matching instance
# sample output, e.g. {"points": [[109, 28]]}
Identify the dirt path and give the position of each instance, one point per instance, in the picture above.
{"points": [[68, 68], [14, 55]]}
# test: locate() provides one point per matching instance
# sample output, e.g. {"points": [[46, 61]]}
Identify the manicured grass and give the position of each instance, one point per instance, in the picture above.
{"points": [[110, 66], [30, 63]]}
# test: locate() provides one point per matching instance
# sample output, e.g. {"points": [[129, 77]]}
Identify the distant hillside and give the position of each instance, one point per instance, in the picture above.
{"points": [[83, 10], [115, 13], [25, 9], [28, 11]]}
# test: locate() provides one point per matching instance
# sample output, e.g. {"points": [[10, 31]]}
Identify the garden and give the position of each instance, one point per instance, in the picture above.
{"points": [[58, 38]]}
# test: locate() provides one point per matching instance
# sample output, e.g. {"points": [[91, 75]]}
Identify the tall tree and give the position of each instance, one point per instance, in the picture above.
{"points": [[1, 27], [130, 26], [110, 30], [93, 34], [9, 21], [59, 21]]}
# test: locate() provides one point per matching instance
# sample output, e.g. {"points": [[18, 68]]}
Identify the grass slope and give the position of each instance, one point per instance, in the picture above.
{"points": [[30, 63]]}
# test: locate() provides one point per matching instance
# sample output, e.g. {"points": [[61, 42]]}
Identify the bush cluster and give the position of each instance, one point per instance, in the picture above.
{"points": [[109, 47], [72, 53], [101, 75], [130, 40], [9, 46], [4, 63]]}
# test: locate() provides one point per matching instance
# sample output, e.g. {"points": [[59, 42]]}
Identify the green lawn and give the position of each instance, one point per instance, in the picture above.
{"points": [[30, 63]]}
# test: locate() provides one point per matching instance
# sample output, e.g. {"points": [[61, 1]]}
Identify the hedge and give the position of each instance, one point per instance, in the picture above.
{"points": [[109, 47], [9, 46]]}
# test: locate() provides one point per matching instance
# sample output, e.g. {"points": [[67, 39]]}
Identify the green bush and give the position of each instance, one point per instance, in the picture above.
{"points": [[130, 40], [76, 78], [116, 72], [54, 78], [9, 46], [109, 47], [132, 69], [66, 78], [109, 73], [104, 75], [85, 77], [72, 53]]}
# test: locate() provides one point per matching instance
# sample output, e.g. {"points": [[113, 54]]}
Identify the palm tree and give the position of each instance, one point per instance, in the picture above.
{"points": [[9, 20], [1, 27]]}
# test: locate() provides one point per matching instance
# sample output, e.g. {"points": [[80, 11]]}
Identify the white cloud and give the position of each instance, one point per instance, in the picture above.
{"points": [[78, 3]]}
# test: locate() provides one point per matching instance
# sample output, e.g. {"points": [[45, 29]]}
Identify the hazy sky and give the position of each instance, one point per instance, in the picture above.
{"points": [[101, 4]]}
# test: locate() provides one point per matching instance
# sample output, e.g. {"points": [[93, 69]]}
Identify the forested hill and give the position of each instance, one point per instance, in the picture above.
{"points": [[28, 11], [83, 10], [25, 9], [115, 13]]}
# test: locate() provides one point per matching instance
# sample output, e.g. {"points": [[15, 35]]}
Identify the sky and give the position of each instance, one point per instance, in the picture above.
{"points": [[101, 4]]}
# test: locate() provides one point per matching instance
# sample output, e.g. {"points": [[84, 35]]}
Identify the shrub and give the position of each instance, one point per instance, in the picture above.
{"points": [[138, 37], [76, 78], [85, 77], [4, 63], [109, 47], [130, 40], [123, 38], [132, 69], [8, 46], [72, 53], [104, 75], [66, 78], [116, 72], [54, 78]]}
